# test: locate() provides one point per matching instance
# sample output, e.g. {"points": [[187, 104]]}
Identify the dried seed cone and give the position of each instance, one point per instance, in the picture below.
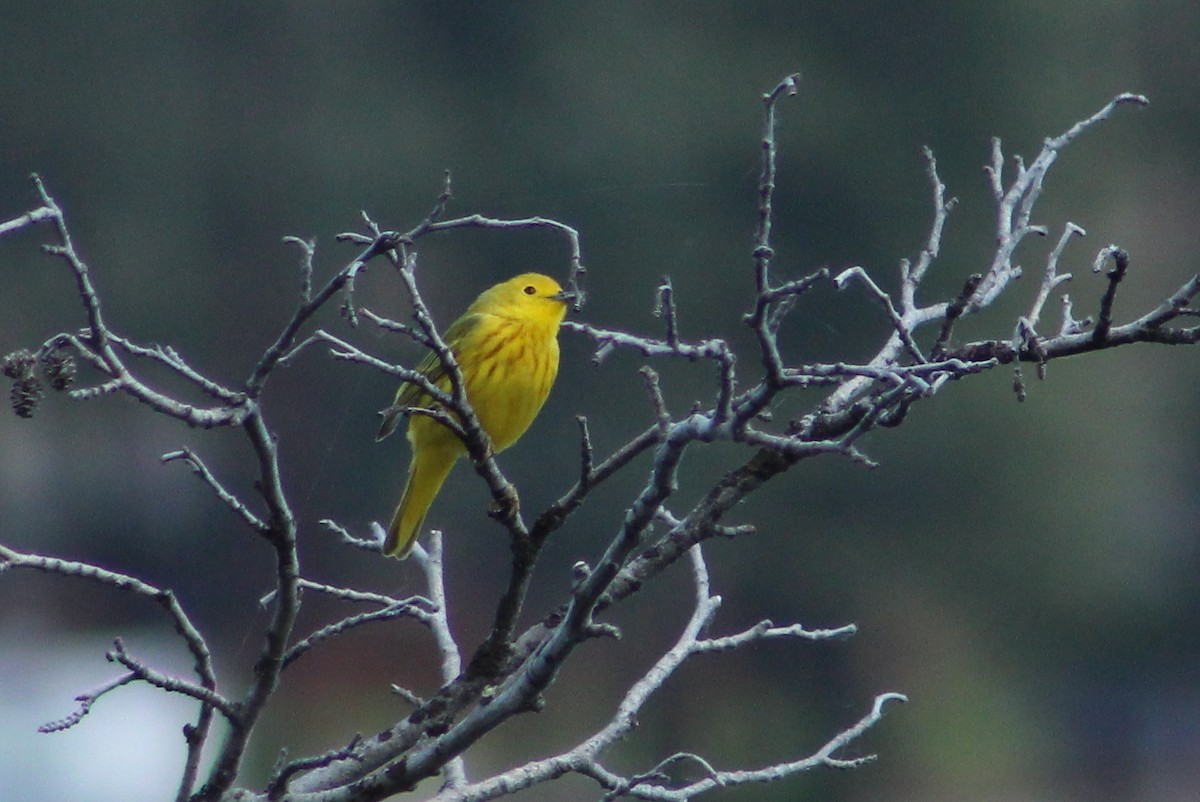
{"points": [[59, 369], [18, 364], [26, 393]]}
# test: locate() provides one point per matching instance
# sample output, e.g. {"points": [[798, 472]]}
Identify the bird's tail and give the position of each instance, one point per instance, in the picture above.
{"points": [[429, 469]]}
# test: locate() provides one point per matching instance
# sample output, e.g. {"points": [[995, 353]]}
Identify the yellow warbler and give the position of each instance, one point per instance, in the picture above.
{"points": [[506, 345]]}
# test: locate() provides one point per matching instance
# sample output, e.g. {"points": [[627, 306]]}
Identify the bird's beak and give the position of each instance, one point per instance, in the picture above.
{"points": [[573, 297]]}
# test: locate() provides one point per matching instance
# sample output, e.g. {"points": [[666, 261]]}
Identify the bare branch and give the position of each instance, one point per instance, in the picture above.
{"points": [[577, 271], [372, 544], [953, 312], [286, 339], [233, 502], [143, 672], [586, 457], [763, 252], [1051, 279], [1014, 209], [1016, 204], [86, 700], [430, 561], [715, 349], [349, 594], [38, 215], [1120, 265], [657, 402], [278, 785], [194, 641], [395, 327], [96, 344], [911, 277], [431, 564], [654, 783], [506, 675], [843, 278], [765, 630], [404, 609], [308, 251], [170, 358], [666, 309]]}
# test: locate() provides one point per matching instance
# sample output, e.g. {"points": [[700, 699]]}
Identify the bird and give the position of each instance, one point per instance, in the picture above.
{"points": [[506, 347]]}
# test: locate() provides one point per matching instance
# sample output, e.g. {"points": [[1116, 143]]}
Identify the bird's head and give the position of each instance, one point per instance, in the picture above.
{"points": [[529, 295]]}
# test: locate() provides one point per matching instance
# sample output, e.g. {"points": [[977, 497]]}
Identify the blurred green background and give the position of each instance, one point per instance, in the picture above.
{"points": [[1026, 573]]}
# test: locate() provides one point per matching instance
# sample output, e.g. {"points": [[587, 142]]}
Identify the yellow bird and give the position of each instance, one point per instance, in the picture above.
{"points": [[506, 345]]}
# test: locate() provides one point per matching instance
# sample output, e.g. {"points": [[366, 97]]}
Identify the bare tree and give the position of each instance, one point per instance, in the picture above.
{"points": [[505, 674]]}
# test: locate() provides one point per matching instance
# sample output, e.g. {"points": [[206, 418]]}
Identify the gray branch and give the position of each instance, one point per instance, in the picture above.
{"points": [[585, 758], [508, 672]]}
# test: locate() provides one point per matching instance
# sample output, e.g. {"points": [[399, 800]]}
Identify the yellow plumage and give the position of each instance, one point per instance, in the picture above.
{"points": [[506, 345]]}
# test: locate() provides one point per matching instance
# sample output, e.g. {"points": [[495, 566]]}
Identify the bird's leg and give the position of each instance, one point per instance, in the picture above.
{"points": [[505, 505]]}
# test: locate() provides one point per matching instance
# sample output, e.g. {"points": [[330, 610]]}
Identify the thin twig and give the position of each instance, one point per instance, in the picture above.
{"points": [[431, 560], [229, 499], [403, 609], [901, 326], [1051, 279], [1120, 265], [86, 700], [145, 673]]}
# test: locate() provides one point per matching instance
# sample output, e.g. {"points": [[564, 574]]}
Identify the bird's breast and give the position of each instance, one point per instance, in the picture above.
{"points": [[508, 376]]}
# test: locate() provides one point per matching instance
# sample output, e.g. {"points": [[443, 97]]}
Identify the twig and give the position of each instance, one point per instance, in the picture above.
{"points": [[771, 307], [169, 357], [342, 350], [1069, 324], [647, 346], [657, 402], [1014, 209], [38, 215], [86, 700], [229, 499], [1015, 206], [554, 515], [954, 312], [901, 326], [278, 785], [765, 630], [577, 270], [1120, 265], [911, 277], [403, 609], [360, 596], [586, 456], [666, 310], [396, 327], [191, 636], [308, 250], [1051, 279], [97, 343], [304, 311], [430, 561], [584, 758], [763, 252], [507, 676], [141, 671]]}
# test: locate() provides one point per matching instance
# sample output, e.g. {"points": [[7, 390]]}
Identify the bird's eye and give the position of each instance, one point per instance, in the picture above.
{"points": [[530, 289]]}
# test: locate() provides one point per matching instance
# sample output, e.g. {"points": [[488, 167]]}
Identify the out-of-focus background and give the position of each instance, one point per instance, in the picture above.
{"points": [[1027, 573]]}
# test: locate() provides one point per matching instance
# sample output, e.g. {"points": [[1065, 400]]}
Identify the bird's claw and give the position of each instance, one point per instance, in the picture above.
{"points": [[507, 506]]}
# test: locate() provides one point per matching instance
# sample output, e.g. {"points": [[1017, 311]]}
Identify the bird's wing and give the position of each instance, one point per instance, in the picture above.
{"points": [[410, 394]]}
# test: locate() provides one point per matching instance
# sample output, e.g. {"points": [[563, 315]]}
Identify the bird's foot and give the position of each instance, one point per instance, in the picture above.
{"points": [[506, 507]]}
